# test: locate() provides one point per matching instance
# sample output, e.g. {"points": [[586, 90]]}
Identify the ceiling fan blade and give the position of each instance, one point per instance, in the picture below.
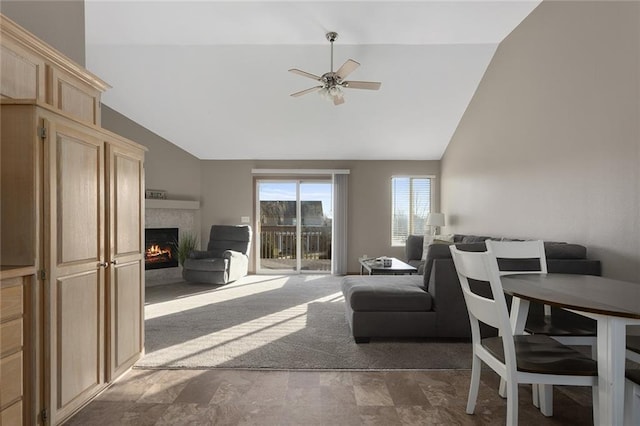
{"points": [[338, 100], [305, 74], [304, 92], [347, 68], [369, 85]]}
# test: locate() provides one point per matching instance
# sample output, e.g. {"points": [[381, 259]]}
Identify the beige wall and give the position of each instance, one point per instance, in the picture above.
{"points": [[549, 146], [226, 188], [228, 194], [58, 22]]}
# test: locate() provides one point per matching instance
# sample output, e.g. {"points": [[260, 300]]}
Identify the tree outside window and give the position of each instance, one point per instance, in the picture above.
{"points": [[411, 203]]}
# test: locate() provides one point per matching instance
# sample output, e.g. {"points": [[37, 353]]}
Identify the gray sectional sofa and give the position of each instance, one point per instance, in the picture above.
{"points": [[431, 303]]}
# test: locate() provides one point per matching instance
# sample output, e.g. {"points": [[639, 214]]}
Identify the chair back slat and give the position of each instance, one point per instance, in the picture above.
{"points": [[482, 266], [519, 250], [483, 309]]}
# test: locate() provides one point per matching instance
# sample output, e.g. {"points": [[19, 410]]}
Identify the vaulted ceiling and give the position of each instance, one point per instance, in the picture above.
{"points": [[211, 76]]}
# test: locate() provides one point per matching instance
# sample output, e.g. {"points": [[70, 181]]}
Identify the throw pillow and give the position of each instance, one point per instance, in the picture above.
{"points": [[435, 239], [443, 239], [428, 240], [468, 239]]}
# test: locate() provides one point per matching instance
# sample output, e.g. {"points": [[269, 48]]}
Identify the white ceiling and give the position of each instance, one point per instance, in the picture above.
{"points": [[211, 76]]}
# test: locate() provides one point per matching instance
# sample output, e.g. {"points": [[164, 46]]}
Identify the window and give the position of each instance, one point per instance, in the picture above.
{"points": [[410, 204]]}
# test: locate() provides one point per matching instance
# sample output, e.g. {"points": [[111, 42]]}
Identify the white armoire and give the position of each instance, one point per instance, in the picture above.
{"points": [[72, 236]]}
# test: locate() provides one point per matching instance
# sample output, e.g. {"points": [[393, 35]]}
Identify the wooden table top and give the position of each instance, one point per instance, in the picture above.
{"points": [[587, 293]]}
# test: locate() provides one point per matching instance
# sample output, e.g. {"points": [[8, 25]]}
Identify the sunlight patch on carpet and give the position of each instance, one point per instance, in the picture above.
{"points": [[252, 335], [250, 285], [274, 321]]}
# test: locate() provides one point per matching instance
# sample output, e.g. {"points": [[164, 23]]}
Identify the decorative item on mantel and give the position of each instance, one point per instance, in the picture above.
{"points": [[155, 194]]}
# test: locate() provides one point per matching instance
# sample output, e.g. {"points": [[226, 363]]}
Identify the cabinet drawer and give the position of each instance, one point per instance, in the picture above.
{"points": [[12, 415], [11, 336], [11, 301], [11, 379]]}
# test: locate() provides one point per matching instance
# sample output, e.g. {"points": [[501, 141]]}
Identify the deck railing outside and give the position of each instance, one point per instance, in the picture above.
{"points": [[279, 243]]}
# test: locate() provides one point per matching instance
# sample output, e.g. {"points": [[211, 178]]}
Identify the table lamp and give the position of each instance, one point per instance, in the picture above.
{"points": [[434, 220]]}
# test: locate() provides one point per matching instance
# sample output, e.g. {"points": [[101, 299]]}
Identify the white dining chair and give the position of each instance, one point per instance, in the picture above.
{"points": [[521, 359], [632, 384], [534, 250], [632, 398], [633, 348]]}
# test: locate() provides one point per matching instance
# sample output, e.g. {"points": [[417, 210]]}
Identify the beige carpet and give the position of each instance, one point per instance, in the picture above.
{"points": [[281, 322]]}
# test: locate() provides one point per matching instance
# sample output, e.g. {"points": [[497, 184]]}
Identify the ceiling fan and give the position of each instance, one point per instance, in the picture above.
{"points": [[333, 82]]}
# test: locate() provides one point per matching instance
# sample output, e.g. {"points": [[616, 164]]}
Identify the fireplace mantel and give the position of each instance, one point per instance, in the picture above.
{"points": [[172, 204]]}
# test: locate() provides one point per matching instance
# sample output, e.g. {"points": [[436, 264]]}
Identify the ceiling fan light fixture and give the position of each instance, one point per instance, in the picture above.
{"points": [[324, 94], [333, 82], [335, 91]]}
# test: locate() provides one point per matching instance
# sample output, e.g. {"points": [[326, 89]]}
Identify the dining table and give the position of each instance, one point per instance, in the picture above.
{"points": [[613, 303]]}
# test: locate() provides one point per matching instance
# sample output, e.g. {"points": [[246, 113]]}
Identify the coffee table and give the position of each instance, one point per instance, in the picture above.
{"points": [[397, 267]]}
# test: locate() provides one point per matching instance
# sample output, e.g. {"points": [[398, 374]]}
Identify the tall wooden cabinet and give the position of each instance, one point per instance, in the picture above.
{"points": [[125, 245], [72, 222]]}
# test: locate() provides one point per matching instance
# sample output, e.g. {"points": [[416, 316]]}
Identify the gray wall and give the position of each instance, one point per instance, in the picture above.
{"points": [[228, 194], [167, 167], [549, 145], [59, 23]]}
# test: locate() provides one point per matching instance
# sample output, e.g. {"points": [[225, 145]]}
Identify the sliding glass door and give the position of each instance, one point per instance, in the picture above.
{"points": [[294, 225]]}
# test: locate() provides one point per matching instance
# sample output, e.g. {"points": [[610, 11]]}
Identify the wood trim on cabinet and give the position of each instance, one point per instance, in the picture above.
{"points": [[11, 30]]}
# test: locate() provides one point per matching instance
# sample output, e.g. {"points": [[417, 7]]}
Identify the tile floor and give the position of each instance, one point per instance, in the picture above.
{"points": [[255, 397]]}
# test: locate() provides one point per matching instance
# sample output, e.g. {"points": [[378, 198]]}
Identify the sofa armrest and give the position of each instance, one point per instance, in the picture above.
{"points": [[434, 252], [238, 264], [232, 254], [452, 318], [451, 309]]}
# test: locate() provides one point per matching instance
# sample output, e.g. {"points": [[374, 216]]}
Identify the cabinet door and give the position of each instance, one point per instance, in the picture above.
{"points": [[75, 258], [125, 277]]}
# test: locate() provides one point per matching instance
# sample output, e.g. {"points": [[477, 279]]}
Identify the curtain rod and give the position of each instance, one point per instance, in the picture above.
{"points": [[300, 171]]}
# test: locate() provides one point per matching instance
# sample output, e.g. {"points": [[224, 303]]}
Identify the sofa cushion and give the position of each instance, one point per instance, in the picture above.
{"points": [[435, 239], [565, 251], [226, 237], [467, 239], [413, 247], [397, 293]]}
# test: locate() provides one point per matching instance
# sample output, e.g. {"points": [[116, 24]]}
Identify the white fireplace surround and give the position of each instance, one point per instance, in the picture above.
{"points": [[184, 215]]}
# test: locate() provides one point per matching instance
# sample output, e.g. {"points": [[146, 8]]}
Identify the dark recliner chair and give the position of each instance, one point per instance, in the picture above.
{"points": [[226, 258]]}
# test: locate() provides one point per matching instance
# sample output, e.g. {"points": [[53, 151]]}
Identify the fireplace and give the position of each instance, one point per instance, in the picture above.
{"points": [[161, 248]]}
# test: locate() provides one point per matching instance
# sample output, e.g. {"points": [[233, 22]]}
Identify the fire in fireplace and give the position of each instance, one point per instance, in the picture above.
{"points": [[161, 248]]}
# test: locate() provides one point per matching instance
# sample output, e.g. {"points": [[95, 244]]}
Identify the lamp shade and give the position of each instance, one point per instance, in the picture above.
{"points": [[435, 219]]}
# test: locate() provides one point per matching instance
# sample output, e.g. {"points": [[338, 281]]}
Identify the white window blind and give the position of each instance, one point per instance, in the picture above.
{"points": [[411, 203]]}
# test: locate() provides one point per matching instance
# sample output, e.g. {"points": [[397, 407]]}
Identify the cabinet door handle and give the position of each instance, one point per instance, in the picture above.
{"points": [[114, 262], [103, 265]]}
